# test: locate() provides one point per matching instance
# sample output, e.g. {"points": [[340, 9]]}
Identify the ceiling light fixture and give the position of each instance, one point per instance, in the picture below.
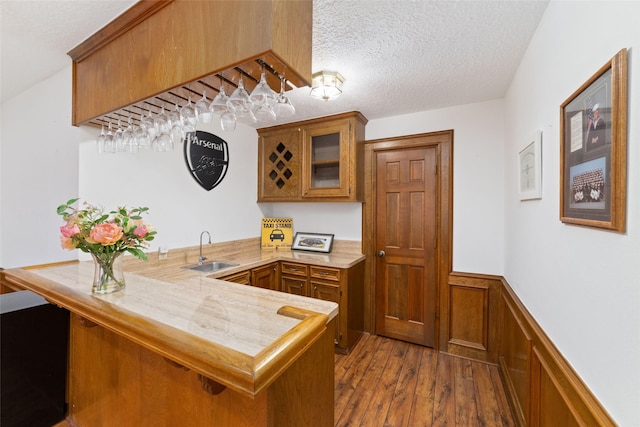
{"points": [[326, 85]]}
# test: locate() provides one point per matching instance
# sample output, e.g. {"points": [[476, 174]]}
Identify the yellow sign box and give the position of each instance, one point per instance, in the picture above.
{"points": [[277, 233]]}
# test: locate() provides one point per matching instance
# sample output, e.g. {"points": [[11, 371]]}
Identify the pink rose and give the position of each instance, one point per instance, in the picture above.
{"points": [[66, 243], [106, 234], [69, 230], [140, 231]]}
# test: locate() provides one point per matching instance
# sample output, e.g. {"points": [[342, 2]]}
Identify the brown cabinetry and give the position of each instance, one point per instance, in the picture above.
{"points": [[314, 160], [266, 277], [242, 277], [263, 277], [294, 278], [343, 286]]}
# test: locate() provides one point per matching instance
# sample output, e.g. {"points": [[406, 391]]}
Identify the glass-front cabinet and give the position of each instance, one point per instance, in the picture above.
{"points": [[314, 160], [326, 157]]}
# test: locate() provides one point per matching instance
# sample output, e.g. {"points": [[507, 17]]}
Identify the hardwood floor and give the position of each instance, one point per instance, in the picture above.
{"points": [[384, 382]]}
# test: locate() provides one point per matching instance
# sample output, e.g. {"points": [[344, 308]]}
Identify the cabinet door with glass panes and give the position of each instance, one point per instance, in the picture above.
{"points": [[327, 159]]}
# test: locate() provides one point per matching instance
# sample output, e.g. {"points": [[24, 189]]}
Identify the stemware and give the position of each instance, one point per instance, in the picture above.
{"points": [[162, 142], [142, 133], [129, 139], [161, 122], [283, 107], [117, 137], [240, 103], [100, 141], [189, 118], [150, 127], [219, 103], [202, 109], [263, 98], [176, 133], [109, 143], [228, 121]]}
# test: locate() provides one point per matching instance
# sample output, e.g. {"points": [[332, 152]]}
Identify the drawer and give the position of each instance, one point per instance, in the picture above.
{"points": [[242, 277], [325, 273], [293, 268]]}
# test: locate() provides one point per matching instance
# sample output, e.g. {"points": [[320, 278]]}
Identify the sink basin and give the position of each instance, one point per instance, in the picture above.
{"points": [[211, 266]]}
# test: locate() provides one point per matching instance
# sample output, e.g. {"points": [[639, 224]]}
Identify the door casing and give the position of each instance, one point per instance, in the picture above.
{"points": [[443, 140]]}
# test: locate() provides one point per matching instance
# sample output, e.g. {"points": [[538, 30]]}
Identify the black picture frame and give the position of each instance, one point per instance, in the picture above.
{"points": [[313, 242]]}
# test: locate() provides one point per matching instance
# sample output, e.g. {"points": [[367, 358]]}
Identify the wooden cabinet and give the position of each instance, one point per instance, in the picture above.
{"points": [[314, 160], [279, 166], [340, 285], [266, 277], [242, 277], [344, 286]]}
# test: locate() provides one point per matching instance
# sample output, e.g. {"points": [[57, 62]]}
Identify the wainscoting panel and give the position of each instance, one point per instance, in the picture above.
{"points": [[515, 360], [472, 327], [468, 323], [543, 389]]}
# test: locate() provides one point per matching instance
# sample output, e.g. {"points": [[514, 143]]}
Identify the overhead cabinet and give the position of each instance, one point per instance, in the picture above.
{"points": [[313, 160]]}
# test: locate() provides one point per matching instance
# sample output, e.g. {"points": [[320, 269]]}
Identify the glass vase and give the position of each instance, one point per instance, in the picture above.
{"points": [[108, 275]]}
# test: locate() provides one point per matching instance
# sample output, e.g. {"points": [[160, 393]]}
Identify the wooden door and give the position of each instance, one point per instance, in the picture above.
{"points": [[406, 243]]}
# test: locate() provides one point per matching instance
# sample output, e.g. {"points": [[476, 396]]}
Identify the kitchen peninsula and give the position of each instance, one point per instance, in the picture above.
{"points": [[179, 347]]}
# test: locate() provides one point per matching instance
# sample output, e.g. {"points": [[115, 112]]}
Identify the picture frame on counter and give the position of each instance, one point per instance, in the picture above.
{"points": [[593, 149], [530, 168], [313, 242]]}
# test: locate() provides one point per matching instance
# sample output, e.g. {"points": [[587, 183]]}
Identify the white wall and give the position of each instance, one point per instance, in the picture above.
{"points": [[38, 170], [179, 208], [478, 144], [581, 284]]}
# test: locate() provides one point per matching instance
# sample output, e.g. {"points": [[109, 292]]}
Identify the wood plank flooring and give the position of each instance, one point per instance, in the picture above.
{"points": [[385, 382]]}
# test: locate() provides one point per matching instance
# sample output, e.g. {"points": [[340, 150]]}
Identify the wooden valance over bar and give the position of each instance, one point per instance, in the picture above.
{"points": [[159, 53]]}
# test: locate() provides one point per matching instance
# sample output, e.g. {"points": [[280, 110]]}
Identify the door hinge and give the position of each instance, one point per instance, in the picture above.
{"points": [[340, 292]]}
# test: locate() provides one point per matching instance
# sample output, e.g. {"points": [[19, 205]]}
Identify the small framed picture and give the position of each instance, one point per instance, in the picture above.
{"points": [[313, 242], [530, 168]]}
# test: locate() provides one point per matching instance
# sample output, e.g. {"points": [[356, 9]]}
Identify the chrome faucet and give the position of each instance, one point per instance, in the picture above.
{"points": [[202, 258]]}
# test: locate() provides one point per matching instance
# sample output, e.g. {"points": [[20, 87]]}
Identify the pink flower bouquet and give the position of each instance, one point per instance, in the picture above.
{"points": [[105, 236]]}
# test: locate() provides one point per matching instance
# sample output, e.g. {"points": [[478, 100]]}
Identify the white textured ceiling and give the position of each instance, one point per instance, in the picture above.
{"points": [[397, 56]]}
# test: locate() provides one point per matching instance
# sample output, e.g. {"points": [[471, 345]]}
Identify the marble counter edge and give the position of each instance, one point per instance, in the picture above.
{"points": [[231, 368]]}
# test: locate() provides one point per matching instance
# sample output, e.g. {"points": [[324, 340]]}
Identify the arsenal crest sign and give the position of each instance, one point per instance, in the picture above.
{"points": [[207, 158]]}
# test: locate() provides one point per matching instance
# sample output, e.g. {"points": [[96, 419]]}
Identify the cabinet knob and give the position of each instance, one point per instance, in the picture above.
{"points": [[381, 254]]}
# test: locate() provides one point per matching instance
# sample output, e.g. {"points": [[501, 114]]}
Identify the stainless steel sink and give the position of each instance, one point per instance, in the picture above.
{"points": [[211, 266]]}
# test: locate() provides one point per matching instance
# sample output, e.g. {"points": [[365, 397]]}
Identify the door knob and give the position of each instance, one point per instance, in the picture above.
{"points": [[381, 253]]}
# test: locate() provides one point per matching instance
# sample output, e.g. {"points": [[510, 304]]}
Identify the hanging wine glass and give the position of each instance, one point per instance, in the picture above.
{"points": [[189, 119], [240, 103], [176, 133], [161, 122], [150, 126], [128, 137], [142, 133], [263, 98], [228, 121], [219, 103], [109, 143], [100, 141], [117, 136], [162, 143], [283, 107], [202, 109]]}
